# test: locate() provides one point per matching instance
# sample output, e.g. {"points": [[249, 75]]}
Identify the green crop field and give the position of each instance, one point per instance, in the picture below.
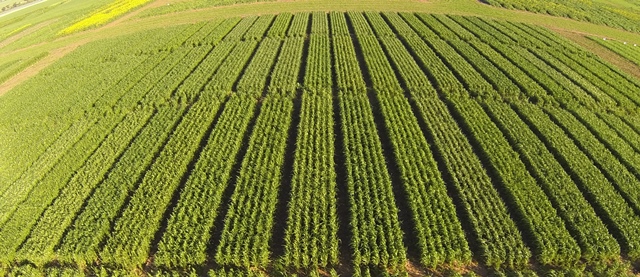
{"points": [[629, 51], [335, 141]]}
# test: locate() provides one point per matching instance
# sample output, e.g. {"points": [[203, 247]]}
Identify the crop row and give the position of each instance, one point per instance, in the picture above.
{"points": [[217, 35], [379, 25], [280, 26], [10, 70], [284, 78], [339, 25], [444, 80], [311, 236], [347, 70], [18, 190], [495, 233], [208, 29], [414, 79], [623, 129], [604, 147], [95, 91], [380, 72], [595, 12], [440, 236], [259, 27], [299, 25], [49, 229], [165, 88], [348, 73], [83, 239], [551, 241], [601, 193], [254, 77], [185, 241], [498, 246], [44, 192], [249, 222], [229, 71], [241, 28], [376, 234], [613, 87], [612, 78], [439, 232], [580, 217], [319, 24], [521, 77], [200, 76], [472, 80], [436, 28], [130, 240], [489, 72], [318, 75], [628, 51], [59, 215], [558, 85], [25, 214]]}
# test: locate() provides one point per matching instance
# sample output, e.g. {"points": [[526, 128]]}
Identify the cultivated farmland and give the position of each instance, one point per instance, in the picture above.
{"points": [[323, 144]]}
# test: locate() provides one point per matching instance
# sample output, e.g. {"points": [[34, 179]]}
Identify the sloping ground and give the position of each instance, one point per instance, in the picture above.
{"points": [[365, 144], [130, 23]]}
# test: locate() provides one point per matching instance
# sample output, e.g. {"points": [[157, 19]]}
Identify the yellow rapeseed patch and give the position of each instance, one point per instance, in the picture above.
{"points": [[104, 15]]}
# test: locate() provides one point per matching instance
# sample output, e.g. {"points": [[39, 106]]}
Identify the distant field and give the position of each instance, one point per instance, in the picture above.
{"points": [[623, 14], [323, 144], [630, 51], [52, 16]]}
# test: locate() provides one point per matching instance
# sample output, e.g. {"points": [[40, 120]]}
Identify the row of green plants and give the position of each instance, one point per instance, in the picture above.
{"points": [[602, 13], [249, 222], [605, 149], [201, 75], [280, 26], [284, 77], [229, 71], [55, 220], [259, 27], [319, 23], [346, 66], [28, 212], [83, 239], [254, 78], [299, 24], [17, 190], [438, 230], [601, 193], [495, 233], [376, 237], [381, 74], [583, 223], [627, 50], [106, 175], [620, 126], [58, 216], [474, 188], [129, 242], [318, 74], [311, 236], [551, 241], [188, 232]]}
